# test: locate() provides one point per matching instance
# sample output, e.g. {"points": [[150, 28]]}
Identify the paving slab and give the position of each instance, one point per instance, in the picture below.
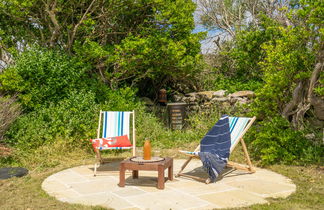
{"points": [[234, 189]]}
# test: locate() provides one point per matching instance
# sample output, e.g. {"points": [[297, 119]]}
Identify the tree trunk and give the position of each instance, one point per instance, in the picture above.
{"points": [[303, 97]]}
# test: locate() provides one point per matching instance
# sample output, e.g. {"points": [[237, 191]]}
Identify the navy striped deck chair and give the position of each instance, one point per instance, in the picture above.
{"points": [[113, 124], [238, 127]]}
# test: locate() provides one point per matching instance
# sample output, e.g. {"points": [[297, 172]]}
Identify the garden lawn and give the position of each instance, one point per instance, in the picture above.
{"points": [[26, 192]]}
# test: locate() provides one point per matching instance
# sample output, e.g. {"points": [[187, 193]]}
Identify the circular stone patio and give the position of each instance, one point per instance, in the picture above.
{"points": [[235, 189]]}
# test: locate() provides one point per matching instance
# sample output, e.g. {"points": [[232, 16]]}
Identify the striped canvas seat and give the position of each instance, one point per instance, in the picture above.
{"points": [[237, 126], [114, 124]]}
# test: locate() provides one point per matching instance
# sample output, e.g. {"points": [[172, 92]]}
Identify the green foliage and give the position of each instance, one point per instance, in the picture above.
{"points": [[154, 57], [71, 119], [43, 76], [273, 59], [288, 61], [237, 65], [143, 40], [221, 82], [123, 99], [160, 50], [247, 51], [149, 126], [273, 142], [157, 130]]}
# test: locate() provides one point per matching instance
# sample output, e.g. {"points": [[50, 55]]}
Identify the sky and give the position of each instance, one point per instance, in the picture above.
{"points": [[207, 45]]}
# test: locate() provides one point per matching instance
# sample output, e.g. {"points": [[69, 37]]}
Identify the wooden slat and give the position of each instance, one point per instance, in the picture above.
{"points": [[240, 167], [98, 131], [134, 139], [246, 154], [184, 165], [192, 177]]}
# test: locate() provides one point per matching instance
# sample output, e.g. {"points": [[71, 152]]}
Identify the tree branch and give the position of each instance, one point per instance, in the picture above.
{"points": [[71, 40], [51, 13]]}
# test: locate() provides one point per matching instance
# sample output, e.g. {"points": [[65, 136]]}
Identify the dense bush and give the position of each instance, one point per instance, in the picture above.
{"points": [[44, 76], [71, 119], [221, 82], [273, 141], [143, 40], [288, 61]]}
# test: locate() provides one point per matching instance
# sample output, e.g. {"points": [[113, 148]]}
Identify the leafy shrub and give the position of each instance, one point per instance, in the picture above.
{"points": [[123, 99], [71, 119], [44, 76], [235, 84], [273, 141]]}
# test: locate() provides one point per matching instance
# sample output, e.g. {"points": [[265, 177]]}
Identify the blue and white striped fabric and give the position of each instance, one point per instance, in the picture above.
{"points": [[218, 139], [217, 144], [237, 126], [115, 124], [215, 148]]}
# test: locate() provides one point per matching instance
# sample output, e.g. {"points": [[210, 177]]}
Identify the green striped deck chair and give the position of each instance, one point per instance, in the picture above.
{"points": [[115, 128], [238, 127]]}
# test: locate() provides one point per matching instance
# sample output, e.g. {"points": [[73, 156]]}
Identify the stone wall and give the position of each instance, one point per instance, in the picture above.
{"points": [[207, 99]]}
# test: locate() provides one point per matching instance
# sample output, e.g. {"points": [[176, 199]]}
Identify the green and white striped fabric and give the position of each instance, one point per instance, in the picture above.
{"points": [[237, 126]]}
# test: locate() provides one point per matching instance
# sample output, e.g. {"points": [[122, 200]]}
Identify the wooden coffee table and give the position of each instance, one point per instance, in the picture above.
{"points": [[159, 166]]}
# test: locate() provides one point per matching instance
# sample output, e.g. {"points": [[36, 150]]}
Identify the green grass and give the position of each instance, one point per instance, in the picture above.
{"points": [[26, 192], [310, 188]]}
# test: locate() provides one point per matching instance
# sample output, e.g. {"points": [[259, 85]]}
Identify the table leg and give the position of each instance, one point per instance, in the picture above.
{"points": [[160, 184], [170, 171], [135, 174], [122, 175]]}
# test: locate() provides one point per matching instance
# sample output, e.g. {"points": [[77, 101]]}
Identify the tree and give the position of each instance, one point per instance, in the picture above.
{"points": [[127, 42], [293, 67], [229, 17]]}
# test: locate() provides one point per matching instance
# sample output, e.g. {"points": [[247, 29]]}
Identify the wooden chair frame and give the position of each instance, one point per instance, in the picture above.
{"points": [[231, 164], [99, 159]]}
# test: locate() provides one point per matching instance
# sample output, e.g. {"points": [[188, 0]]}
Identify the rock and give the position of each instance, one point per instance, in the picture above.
{"points": [[310, 136], [232, 100], [222, 99], [242, 101], [186, 99], [207, 104], [244, 93], [178, 97], [194, 94], [206, 94], [226, 105], [219, 93], [192, 99], [147, 101]]}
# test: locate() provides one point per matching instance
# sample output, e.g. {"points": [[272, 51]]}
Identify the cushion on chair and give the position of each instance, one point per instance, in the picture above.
{"points": [[117, 141]]}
